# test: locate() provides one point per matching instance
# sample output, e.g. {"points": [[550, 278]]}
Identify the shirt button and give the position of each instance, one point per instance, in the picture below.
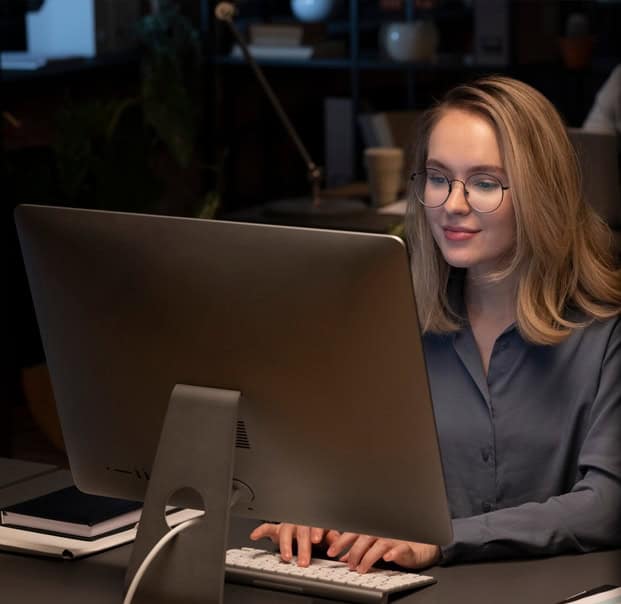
{"points": [[487, 506]]}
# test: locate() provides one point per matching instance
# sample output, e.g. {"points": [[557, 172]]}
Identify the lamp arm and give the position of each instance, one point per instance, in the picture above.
{"points": [[224, 12]]}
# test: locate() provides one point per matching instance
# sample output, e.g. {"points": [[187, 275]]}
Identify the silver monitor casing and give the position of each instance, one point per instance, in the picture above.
{"points": [[317, 329]]}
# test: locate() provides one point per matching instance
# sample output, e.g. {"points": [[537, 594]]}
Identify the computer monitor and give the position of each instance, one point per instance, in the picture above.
{"points": [[316, 329]]}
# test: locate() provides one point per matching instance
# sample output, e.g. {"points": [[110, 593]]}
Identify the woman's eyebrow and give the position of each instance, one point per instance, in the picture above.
{"points": [[434, 163]]}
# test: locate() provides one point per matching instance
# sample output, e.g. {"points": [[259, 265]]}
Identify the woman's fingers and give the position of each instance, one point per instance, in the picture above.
{"points": [[331, 537], [286, 534], [317, 535], [359, 548], [265, 531], [363, 551], [341, 542], [377, 551], [303, 537], [401, 553], [413, 555]]}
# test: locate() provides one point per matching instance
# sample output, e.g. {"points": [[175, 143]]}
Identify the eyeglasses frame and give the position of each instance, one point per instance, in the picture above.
{"points": [[503, 188]]}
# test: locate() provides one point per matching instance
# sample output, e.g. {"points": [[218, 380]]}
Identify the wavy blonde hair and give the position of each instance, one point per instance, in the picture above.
{"points": [[563, 255]]}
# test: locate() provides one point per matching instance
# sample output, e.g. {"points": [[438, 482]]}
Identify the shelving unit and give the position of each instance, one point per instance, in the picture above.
{"points": [[351, 26], [375, 83]]}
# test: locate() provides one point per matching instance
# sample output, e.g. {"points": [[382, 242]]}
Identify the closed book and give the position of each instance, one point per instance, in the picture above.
{"points": [[262, 51], [73, 513]]}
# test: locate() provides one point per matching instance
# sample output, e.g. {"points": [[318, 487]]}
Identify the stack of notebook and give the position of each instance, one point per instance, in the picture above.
{"points": [[70, 524]]}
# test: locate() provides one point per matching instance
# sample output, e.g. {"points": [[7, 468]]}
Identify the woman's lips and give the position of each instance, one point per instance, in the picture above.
{"points": [[458, 234]]}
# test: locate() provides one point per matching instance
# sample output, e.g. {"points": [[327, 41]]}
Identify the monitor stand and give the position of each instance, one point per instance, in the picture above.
{"points": [[194, 458]]}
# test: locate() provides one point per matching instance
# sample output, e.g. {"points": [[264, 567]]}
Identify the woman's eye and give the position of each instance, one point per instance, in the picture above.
{"points": [[485, 184], [436, 180]]}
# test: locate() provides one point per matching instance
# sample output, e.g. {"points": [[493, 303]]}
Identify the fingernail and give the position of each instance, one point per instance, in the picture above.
{"points": [[331, 551]]}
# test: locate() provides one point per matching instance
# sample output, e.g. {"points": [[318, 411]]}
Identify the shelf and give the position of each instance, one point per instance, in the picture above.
{"points": [[366, 63], [56, 67]]}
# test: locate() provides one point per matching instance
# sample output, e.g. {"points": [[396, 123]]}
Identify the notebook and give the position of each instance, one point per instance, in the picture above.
{"points": [[24, 541], [70, 512]]}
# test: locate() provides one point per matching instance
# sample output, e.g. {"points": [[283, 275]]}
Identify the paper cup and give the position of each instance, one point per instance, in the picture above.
{"points": [[384, 167]]}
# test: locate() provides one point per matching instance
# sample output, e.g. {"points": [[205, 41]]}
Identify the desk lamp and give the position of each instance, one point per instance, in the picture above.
{"points": [[225, 11]]}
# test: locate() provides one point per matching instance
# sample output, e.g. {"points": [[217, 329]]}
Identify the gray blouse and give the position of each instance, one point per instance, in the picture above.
{"points": [[532, 452]]}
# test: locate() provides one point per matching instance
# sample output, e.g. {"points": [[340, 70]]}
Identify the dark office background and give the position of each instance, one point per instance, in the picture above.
{"points": [[196, 135]]}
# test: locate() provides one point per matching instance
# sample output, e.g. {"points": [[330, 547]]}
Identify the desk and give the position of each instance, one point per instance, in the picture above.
{"points": [[99, 578], [14, 472], [369, 220]]}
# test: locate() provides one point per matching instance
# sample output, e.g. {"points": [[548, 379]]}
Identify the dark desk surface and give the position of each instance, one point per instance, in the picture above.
{"points": [[366, 220], [99, 578]]}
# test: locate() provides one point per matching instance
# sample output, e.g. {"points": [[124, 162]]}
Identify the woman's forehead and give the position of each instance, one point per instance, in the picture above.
{"points": [[462, 137]]}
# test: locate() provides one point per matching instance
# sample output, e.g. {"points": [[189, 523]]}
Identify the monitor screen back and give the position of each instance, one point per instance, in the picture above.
{"points": [[317, 330]]}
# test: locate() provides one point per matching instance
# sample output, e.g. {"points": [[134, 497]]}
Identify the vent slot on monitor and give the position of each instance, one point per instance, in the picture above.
{"points": [[241, 436]]}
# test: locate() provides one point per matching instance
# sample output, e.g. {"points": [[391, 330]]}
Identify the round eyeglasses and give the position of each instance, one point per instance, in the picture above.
{"points": [[483, 192]]}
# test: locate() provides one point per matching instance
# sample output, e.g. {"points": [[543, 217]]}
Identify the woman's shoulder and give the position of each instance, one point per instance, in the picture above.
{"points": [[594, 334], [586, 321]]}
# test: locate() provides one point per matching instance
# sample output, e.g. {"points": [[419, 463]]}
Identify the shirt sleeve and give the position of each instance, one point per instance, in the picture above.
{"points": [[582, 520], [605, 112]]}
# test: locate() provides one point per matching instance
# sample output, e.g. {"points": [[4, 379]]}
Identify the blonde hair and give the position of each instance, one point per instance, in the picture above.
{"points": [[563, 256]]}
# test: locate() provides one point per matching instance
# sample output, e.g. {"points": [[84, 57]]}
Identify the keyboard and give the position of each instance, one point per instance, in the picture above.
{"points": [[323, 578]]}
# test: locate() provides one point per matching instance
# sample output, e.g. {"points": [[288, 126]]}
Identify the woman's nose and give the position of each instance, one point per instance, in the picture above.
{"points": [[457, 202]]}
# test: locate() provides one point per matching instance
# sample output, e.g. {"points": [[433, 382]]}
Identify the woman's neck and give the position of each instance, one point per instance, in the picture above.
{"points": [[492, 302], [491, 309]]}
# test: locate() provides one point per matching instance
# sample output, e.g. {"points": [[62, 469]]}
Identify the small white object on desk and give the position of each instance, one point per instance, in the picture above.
{"points": [[608, 596]]}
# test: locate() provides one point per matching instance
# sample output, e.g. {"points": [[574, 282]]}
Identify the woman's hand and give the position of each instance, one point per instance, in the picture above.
{"points": [[363, 551], [285, 534]]}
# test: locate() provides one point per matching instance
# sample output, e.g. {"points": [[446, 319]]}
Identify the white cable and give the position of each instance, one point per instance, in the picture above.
{"points": [[155, 550]]}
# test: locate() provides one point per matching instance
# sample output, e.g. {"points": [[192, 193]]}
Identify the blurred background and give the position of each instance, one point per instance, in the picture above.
{"points": [[150, 106]]}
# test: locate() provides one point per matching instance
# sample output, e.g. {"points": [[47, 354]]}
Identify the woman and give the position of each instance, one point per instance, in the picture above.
{"points": [[520, 307]]}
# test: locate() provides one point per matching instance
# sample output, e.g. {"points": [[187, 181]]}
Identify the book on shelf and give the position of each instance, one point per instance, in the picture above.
{"points": [[70, 512], [275, 51], [275, 34], [325, 49]]}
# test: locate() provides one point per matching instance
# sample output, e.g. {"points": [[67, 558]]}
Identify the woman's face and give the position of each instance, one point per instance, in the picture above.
{"points": [[462, 144]]}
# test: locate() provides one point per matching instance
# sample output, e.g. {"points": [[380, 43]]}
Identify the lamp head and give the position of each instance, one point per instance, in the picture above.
{"points": [[225, 11]]}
